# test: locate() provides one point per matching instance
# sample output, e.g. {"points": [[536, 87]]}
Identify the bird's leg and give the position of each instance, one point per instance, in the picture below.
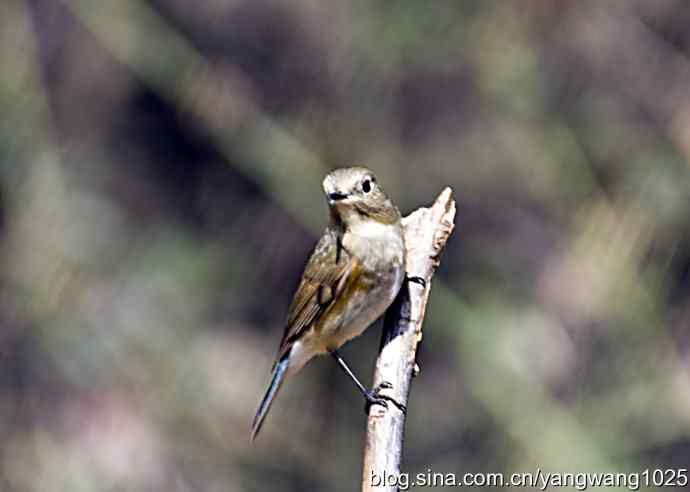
{"points": [[372, 396]]}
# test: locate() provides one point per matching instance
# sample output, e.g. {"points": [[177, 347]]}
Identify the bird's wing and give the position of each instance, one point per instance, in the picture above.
{"points": [[329, 270]]}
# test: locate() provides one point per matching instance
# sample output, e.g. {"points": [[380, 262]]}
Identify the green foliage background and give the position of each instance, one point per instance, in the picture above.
{"points": [[160, 168]]}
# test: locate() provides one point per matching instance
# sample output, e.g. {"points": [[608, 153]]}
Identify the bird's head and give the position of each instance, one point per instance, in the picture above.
{"points": [[354, 194]]}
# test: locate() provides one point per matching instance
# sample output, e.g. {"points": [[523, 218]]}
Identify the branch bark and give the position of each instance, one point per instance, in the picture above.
{"points": [[426, 233]]}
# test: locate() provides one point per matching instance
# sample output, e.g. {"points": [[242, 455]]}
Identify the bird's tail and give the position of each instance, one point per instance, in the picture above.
{"points": [[276, 382]]}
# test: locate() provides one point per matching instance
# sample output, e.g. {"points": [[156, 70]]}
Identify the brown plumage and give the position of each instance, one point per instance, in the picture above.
{"points": [[352, 276]]}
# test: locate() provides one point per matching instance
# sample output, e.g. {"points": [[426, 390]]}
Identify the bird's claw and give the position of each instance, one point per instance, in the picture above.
{"points": [[417, 280], [374, 397]]}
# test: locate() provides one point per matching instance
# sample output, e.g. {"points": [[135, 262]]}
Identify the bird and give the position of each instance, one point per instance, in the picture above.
{"points": [[353, 275]]}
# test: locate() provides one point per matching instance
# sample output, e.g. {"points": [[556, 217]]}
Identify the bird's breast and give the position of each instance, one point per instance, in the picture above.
{"points": [[377, 246], [380, 253]]}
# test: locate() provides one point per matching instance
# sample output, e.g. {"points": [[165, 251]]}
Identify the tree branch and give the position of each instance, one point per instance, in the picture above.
{"points": [[426, 233]]}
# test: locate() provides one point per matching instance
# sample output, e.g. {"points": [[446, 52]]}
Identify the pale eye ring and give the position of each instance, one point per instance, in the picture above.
{"points": [[366, 185]]}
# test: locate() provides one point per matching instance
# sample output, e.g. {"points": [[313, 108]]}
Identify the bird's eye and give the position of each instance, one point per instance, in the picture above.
{"points": [[366, 186]]}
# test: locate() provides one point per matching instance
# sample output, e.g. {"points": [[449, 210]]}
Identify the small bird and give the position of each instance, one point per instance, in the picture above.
{"points": [[353, 275]]}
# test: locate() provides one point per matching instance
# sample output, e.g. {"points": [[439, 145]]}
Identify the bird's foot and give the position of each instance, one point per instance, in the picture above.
{"points": [[417, 280], [374, 397]]}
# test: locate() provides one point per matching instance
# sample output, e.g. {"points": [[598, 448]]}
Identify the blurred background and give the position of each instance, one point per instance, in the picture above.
{"points": [[160, 170]]}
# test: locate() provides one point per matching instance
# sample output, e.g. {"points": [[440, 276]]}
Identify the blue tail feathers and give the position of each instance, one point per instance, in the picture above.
{"points": [[276, 382]]}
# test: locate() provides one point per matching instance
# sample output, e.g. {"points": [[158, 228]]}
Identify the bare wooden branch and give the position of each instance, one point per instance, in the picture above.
{"points": [[426, 233]]}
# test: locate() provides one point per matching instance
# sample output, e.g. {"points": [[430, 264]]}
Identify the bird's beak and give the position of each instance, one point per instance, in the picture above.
{"points": [[336, 196]]}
